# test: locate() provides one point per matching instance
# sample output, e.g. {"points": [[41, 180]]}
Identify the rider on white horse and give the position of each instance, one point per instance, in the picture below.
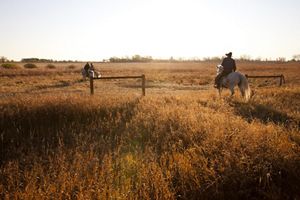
{"points": [[228, 67], [227, 77], [89, 71]]}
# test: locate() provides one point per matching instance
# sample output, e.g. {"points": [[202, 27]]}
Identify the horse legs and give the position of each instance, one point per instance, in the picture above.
{"points": [[242, 90], [231, 87], [245, 89]]}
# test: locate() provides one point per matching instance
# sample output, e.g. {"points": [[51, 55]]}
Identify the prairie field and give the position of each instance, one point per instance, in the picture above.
{"points": [[180, 141]]}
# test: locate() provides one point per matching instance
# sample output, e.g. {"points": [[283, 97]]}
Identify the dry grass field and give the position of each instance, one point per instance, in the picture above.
{"points": [[180, 141]]}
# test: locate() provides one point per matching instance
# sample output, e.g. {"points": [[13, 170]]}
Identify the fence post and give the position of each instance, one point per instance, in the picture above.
{"points": [[283, 79], [92, 85], [280, 83], [143, 85]]}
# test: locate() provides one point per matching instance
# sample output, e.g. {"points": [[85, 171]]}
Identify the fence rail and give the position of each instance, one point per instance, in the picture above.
{"points": [[119, 77], [281, 77]]}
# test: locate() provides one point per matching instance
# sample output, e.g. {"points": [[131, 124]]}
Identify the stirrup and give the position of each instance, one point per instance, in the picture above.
{"points": [[216, 86]]}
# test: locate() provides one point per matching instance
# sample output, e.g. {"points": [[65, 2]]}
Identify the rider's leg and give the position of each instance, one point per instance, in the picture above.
{"points": [[217, 80], [219, 83], [231, 87]]}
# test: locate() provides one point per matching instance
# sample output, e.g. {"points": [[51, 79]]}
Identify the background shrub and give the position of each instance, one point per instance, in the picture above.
{"points": [[71, 67], [50, 66], [10, 66], [30, 66]]}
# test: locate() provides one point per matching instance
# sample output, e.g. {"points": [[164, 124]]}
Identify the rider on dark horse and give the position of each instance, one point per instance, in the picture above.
{"points": [[228, 66], [86, 68]]}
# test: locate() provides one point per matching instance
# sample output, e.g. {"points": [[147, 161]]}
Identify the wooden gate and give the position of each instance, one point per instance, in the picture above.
{"points": [[281, 77], [119, 77]]}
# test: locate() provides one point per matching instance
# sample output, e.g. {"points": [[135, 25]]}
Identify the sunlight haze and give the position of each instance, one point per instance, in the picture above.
{"points": [[98, 29]]}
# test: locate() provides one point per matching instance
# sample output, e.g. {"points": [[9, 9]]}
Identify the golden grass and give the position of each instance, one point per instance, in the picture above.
{"points": [[181, 141]]}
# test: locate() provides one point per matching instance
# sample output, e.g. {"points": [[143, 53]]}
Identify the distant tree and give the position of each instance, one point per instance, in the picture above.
{"points": [[296, 57], [281, 59], [245, 57], [3, 59], [214, 58], [113, 59], [136, 58], [34, 60], [259, 59], [30, 60]]}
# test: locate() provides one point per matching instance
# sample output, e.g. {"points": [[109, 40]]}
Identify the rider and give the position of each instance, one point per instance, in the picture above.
{"points": [[228, 66], [87, 67], [92, 67]]}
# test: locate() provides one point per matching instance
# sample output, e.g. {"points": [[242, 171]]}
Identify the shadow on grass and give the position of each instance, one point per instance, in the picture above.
{"points": [[169, 86], [38, 130], [43, 88], [264, 113], [60, 84]]}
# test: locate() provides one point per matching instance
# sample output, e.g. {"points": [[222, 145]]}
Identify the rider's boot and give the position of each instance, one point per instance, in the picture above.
{"points": [[217, 84]]}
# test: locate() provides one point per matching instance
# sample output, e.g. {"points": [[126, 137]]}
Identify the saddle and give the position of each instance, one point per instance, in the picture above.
{"points": [[221, 81], [220, 78]]}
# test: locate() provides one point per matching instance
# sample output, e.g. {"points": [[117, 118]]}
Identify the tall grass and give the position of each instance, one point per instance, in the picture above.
{"points": [[159, 147]]}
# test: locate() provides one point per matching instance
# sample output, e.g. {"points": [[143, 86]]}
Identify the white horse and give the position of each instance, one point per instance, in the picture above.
{"points": [[233, 79], [91, 73]]}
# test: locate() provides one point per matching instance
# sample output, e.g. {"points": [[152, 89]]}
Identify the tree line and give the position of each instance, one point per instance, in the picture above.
{"points": [[135, 58], [139, 58], [43, 60]]}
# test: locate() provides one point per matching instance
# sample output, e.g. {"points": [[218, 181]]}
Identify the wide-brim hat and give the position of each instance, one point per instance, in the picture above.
{"points": [[229, 54]]}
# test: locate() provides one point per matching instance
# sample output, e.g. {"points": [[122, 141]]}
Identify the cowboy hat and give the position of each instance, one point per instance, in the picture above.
{"points": [[229, 54]]}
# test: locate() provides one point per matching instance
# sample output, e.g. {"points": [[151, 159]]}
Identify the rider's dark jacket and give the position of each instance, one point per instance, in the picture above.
{"points": [[86, 67], [228, 65]]}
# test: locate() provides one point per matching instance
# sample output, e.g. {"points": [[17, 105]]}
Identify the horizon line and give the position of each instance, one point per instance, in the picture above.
{"points": [[157, 58]]}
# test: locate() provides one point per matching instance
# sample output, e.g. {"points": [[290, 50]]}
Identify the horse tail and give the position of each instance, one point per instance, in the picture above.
{"points": [[245, 88]]}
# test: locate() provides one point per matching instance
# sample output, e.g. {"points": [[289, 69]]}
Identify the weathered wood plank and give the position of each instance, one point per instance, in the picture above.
{"points": [[282, 79], [119, 77]]}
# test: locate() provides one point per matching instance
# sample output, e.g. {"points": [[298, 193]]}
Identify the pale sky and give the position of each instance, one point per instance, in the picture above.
{"points": [[99, 29]]}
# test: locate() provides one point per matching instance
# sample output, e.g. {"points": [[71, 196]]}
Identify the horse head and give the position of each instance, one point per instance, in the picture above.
{"points": [[220, 69], [91, 73]]}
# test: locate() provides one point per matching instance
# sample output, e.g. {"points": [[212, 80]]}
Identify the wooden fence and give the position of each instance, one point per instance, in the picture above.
{"points": [[119, 77], [281, 77]]}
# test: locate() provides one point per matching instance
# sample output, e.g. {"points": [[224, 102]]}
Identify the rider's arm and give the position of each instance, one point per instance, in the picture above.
{"points": [[234, 66], [223, 62]]}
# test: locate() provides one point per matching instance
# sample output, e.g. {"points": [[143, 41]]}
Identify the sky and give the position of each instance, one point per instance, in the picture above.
{"points": [[99, 29]]}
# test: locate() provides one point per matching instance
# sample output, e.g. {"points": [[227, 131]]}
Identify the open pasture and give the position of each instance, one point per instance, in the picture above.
{"points": [[180, 141], [161, 77]]}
